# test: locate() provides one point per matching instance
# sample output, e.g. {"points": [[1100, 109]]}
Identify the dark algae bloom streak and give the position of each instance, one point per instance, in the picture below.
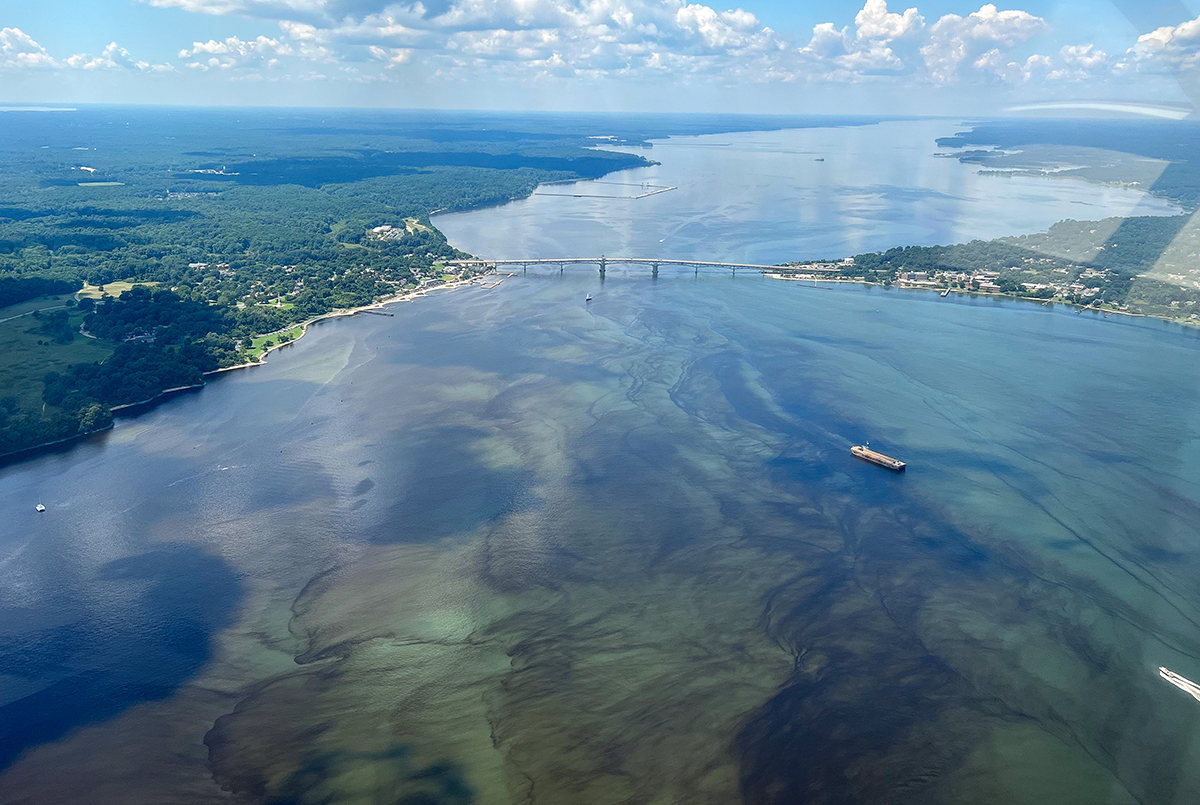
{"points": [[508, 547]]}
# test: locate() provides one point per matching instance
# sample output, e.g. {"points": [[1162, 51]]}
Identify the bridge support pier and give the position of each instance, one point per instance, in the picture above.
{"points": [[602, 264], [654, 270]]}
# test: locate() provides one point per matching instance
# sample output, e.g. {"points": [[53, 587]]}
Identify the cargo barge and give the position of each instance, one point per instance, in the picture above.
{"points": [[864, 452]]}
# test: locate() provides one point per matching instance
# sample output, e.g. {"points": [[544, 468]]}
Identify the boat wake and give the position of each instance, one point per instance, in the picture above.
{"points": [[1184, 684]]}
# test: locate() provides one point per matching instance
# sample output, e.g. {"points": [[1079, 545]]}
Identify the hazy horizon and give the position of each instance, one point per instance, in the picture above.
{"points": [[946, 57]]}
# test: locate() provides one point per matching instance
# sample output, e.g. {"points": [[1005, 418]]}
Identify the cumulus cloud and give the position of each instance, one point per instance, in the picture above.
{"points": [[875, 22], [1087, 57], [680, 38], [392, 57], [954, 40], [1014, 71], [114, 57], [1081, 63], [233, 53], [1176, 46], [18, 49], [953, 48]]}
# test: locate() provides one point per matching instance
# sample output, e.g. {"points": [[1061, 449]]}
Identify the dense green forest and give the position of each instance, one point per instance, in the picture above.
{"points": [[233, 225], [14, 290]]}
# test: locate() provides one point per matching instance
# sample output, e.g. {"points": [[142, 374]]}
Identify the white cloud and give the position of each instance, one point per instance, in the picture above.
{"points": [[953, 48], [1175, 46], [261, 8], [392, 57], [828, 42], [18, 49], [1013, 71], [1086, 57], [954, 40], [728, 30], [114, 57], [1082, 63], [233, 53], [367, 40], [874, 22]]}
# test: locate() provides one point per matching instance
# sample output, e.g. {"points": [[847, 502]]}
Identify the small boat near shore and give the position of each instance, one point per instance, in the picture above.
{"points": [[864, 452]]}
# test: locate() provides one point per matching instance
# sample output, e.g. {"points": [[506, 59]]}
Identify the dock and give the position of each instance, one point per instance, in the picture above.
{"points": [[865, 453]]}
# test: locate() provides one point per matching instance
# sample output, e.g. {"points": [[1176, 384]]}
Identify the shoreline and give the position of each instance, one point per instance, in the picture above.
{"points": [[992, 294], [17, 456], [409, 296], [135, 408]]}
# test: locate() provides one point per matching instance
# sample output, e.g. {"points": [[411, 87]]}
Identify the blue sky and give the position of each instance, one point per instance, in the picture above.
{"points": [[939, 56]]}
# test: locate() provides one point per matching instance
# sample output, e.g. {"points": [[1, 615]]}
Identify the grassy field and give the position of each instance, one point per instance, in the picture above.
{"points": [[112, 289], [23, 362], [278, 304], [261, 343]]}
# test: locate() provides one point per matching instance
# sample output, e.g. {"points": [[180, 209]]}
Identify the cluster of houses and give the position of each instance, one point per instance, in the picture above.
{"points": [[222, 268], [986, 281], [389, 232], [980, 280]]}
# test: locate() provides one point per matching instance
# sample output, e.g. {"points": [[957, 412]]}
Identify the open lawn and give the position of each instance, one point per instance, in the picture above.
{"points": [[263, 342], [112, 289], [29, 305], [23, 362]]}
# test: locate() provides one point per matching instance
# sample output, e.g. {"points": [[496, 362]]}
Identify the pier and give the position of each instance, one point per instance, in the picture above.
{"points": [[603, 262]]}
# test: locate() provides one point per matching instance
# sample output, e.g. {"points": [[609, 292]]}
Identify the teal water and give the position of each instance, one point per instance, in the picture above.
{"points": [[509, 546]]}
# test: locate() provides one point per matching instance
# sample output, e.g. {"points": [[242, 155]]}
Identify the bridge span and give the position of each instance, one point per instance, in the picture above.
{"points": [[603, 262]]}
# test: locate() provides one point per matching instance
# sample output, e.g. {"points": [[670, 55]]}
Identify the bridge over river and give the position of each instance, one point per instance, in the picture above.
{"points": [[653, 262]]}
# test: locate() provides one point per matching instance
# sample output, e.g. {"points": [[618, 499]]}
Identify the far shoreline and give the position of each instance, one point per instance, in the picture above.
{"points": [[1079, 309]]}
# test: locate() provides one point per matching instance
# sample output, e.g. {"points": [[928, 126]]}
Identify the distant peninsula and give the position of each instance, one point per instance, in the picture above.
{"points": [[1140, 266]]}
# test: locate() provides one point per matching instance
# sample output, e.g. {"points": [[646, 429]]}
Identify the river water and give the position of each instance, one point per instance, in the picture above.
{"points": [[508, 545], [763, 197]]}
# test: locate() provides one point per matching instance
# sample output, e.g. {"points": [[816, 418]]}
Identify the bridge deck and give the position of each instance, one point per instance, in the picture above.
{"points": [[649, 261]]}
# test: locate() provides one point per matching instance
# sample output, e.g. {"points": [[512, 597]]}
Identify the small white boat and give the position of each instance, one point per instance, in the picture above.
{"points": [[1183, 683], [588, 298], [40, 507]]}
